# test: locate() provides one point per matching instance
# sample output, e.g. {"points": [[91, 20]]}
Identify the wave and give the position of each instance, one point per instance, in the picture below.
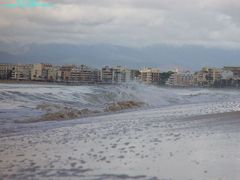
{"points": [[71, 100], [98, 96]]}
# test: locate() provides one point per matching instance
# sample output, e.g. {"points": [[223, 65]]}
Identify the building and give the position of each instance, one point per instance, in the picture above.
{"points": [[235, 70], [84, 74], [107, 75], [134, 75], [207, 76], [54, 74], [21, 72], [214, 74], [121, 74], [227, 74], [66, 72], [183, 79], [40, 72], [150, 76], [118, 75], [6, 71], [186, 79], [172, 80]]}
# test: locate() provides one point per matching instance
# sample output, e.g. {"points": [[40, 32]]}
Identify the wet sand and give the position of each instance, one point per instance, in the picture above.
{"points": [[135, 145]]}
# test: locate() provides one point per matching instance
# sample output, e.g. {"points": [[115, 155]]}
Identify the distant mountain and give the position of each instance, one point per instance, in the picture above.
{"points": [[6, 57], [163, 56]]}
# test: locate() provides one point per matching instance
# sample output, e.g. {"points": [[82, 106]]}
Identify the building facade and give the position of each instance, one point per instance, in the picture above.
{"points": [[207, 76], [6, 71], [21, 72], [234, 70], [107, 75], [121, 74], [40, 72], [134, 75], [150, 76], [66, 72], [84, 74], [182, 79], [53, 74]]}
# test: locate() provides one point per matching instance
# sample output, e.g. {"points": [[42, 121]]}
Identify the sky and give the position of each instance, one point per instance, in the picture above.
{"points": [[130, 23]]}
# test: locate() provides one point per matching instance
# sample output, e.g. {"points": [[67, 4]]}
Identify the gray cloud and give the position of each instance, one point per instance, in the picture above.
{"points": [[126, 22]]}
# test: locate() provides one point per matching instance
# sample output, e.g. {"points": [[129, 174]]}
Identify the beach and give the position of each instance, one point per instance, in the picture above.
{"points": [[201, 147], [198, 139]]}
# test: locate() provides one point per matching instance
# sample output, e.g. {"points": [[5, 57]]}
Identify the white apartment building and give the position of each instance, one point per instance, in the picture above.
{"points": [[150, 75], [21, 72]]}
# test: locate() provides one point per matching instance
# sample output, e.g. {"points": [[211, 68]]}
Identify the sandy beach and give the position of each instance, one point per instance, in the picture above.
{"points": [[200, 147]]}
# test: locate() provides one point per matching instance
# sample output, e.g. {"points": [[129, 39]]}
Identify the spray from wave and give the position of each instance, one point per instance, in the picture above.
{"points": [[54, 102]]}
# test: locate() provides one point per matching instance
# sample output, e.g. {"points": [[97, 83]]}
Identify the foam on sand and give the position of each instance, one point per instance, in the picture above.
{"points": [[131, 145]]}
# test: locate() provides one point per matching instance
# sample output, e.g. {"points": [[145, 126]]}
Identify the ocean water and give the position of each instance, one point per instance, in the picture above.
{"points": [[20, 102], [177, 133], [26, 96]]}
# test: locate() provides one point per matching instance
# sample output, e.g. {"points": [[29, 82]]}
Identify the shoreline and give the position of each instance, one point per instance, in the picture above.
{"points": [[107, 84], [50, 83]]}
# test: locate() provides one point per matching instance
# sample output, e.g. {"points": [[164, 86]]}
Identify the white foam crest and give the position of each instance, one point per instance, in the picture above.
{"points": [[18, 95]]}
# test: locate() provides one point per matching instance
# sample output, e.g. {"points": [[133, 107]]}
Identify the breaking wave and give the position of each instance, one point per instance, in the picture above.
{"points": [[52, 102], [98, 96]]}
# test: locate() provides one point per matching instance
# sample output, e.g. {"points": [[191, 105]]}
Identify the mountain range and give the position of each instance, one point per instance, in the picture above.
{"points": [[187, 57]]}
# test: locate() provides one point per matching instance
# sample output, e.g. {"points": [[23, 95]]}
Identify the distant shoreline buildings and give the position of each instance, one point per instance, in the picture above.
{"points": [[74, 74], [207, 77]]}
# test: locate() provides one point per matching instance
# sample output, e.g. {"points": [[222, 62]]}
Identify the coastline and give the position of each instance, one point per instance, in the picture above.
{"points": [[108, 84], [31, 82], [50, 83]]}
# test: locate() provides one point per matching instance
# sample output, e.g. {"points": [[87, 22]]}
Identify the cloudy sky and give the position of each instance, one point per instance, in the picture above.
{"points": [[125, 22], [131, 23]]}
